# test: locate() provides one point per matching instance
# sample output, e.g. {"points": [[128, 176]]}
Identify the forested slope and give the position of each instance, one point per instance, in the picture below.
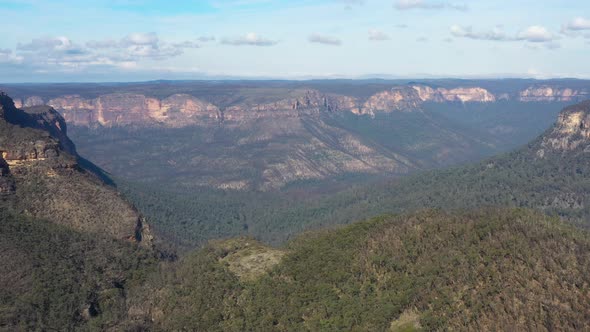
{"points": [[492, 269]]}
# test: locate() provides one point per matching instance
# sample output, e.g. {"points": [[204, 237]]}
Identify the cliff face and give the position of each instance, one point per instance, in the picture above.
{"points": [[304, 103], [40, 177], [463, 94], [397, 99], [570, 133], [409, 98], [550, 93], [134, 109], [181, 110]]}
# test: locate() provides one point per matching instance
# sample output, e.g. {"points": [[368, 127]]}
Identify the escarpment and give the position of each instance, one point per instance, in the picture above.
{"points": [[571, 132], [40, 176], [180, 109], [549, 93], [128, 109]]}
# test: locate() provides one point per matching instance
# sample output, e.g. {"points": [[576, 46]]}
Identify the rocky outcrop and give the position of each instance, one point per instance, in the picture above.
{"points": [[468, 95], [547, 93], [6, 181], [123, 109], [410, 98], [28, 102], [39, 173], [570, 133], [305, 102], [48, 119], [396, 99], [461, 94]]}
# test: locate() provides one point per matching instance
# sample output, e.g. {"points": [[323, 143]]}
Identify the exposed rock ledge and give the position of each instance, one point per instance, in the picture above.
{"points": [[571, 132]]}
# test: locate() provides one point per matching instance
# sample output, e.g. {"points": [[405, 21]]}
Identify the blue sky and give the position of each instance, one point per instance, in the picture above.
{"points": [[131, 40]]}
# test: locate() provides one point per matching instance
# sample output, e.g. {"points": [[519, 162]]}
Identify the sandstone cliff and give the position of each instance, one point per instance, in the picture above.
{"points": [[461, 94], [570, 133], [182, 110], [305, 102], [40, 177], [128, 109], [548, 93]]}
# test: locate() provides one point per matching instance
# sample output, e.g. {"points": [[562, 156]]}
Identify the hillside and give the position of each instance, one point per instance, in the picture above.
{"points": [[54, 278], [486, 270], [70, 246], [45, 180], [550, 174]]}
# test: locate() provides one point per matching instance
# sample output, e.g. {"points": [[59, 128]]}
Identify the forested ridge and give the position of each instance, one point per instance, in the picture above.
{"points": [[491, 269]]}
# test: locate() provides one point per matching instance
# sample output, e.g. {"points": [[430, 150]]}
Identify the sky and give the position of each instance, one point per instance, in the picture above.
{"points": [[137, 40]]}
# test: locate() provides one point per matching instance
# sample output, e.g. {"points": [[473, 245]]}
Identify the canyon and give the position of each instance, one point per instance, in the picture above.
{"points": [[265, 135]]}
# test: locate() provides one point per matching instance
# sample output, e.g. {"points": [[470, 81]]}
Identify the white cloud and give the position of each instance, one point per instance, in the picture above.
{"points": [[577, 24], [48, 44], [7, 56], [139, 38], [61, 53], [323, 39], [533, 34], [467, 32], [376, 35], [142, 45], [536, 34], [250, 39], [423, 4]]}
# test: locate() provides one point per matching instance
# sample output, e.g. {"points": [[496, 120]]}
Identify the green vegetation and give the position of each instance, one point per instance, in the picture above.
{"points": [[487, 270], [56, 279], [556, 184]]}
